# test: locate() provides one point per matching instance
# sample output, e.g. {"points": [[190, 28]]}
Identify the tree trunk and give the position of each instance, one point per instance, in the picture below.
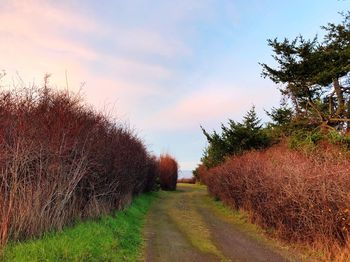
{"points": [[296, 104], [348, 115], [340, 97], [311, 103]]}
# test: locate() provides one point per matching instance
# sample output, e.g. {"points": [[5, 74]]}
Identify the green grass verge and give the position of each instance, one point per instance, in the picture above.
{"points": [[115, 237]]}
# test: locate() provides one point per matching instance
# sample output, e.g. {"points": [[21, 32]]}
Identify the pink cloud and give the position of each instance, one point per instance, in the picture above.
{"points": [[44, 14], [32, 43], [210, 106], [39, 26]]}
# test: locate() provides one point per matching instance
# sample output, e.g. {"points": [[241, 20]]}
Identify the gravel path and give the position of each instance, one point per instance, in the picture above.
{"points": [[182, 226]]}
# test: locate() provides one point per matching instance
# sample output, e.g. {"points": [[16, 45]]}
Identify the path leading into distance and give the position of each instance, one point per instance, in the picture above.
{"points": [[187, 225]]}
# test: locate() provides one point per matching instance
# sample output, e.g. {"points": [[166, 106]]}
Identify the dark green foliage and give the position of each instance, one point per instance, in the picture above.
{"points": [[285, 122], [335, 51], [336, 138], [314, 79], [215, 151], [234, 139], [315, 74], [281, 116], [305, 140]]}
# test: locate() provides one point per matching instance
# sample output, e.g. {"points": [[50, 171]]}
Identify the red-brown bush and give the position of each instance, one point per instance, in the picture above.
{"points": [[304, 197], [201, 173], [168, 170], [61, 160]]}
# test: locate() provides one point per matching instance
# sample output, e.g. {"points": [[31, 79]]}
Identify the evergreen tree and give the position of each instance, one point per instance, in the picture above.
{"points": [[235, 138], [251, 120], [280, 116], [313, 74]]}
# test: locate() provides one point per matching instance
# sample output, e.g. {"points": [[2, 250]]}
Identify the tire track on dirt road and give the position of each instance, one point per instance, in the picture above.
{"points": [[183, 226]]}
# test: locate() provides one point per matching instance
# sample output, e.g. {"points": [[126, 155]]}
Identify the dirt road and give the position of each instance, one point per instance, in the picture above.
{"points": [[187, 225]]}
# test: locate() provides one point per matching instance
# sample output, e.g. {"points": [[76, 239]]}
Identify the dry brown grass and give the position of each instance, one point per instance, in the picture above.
{"points": [[60, 160], [305, 198], [168, 171]]}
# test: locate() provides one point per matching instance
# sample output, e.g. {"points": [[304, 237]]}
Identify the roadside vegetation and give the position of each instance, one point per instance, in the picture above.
{"points": [[292, 175], [168, 172], [116, 237], [61, 162]]}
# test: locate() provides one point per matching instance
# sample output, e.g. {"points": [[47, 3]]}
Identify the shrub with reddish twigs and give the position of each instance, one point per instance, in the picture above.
{"points": [[201, 173], [304, 197], [60, 160], [168, 171]]}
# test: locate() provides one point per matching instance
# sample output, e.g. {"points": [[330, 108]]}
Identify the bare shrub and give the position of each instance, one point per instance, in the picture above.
{"points": [[168, 171], [201, 173], [304, 197], [60, 160]]}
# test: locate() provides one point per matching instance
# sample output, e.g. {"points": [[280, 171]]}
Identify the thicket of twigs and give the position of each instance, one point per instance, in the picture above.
{"points": [[304, 197], [60, 160], [168, 172]]}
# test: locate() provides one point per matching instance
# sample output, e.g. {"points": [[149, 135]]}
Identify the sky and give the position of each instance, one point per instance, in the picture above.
{"points": [[162, 67]]}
